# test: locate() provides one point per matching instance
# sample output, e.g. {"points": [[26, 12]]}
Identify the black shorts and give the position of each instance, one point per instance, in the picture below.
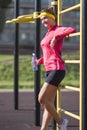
{"points": [[54, 77]]}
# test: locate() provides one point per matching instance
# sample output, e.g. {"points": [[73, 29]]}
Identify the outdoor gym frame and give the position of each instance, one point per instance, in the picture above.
{"points": [[16, 60], [83, 63]]}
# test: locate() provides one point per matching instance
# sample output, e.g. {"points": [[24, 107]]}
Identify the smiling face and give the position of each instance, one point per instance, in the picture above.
{"points": [[47, 21], [48, 17]]}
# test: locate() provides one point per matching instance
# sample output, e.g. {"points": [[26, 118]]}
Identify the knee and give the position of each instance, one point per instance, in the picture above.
{"points": [[41, 100]]}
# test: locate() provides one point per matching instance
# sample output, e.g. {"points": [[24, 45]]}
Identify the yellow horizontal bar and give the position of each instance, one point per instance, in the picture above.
{"points": [[22, 19], [71, 114], [74, 34], [54, 3], [72, 88], [72, 61], [35, 15], [27, 15], [70, 9]]}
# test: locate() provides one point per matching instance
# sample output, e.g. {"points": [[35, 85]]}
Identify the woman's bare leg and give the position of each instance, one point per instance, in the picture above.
{"points": [[46, 120], [46, 99]]}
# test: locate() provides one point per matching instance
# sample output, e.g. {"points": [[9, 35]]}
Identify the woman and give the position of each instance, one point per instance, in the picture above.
{"points": [[51, 46]]}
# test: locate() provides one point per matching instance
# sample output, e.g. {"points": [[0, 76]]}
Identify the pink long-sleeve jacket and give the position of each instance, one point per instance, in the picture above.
{"points": [[52, 58]]}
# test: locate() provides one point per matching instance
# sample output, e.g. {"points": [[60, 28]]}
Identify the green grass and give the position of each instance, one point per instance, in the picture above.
{"points": [[26, 75]]}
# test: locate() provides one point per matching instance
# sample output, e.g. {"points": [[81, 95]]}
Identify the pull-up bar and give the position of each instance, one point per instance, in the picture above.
{"points": [[29, 18]]}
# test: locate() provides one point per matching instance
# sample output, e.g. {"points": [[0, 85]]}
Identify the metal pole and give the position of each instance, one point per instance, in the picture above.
{"points": [[53, 3], [16, 8], [84, 64], [37, 73]]}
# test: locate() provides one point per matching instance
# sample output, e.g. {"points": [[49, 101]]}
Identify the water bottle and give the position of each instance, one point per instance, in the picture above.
{"points": [[34, 63]]}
